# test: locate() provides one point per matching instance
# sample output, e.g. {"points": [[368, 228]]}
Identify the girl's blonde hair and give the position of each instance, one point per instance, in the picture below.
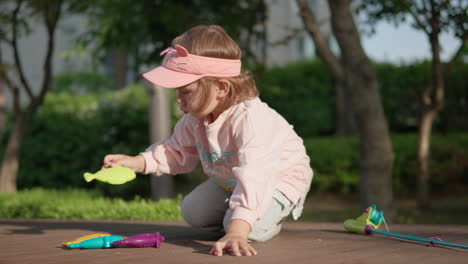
{"points": [[213, 41]]}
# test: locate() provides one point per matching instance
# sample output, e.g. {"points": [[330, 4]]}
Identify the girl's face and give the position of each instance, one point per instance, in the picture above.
{"points": [[191, 102]]}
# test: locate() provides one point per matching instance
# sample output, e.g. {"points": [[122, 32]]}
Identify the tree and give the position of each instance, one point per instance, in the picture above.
{"points": [[144, 28], [16, 14], [356, 73], [431, 17], [3, 113], [344, 120]]}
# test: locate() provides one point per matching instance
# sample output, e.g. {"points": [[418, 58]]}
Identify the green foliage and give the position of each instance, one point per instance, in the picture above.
{"points": [[450, 163], [401, 87], [150, 26], [335, 162], [454, 115], [72, 133], [81, 82], [303, 93], [445, 16], [81, 204]]}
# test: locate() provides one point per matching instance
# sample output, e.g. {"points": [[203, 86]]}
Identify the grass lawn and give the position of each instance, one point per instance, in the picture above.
{"points": [[85, 204]]}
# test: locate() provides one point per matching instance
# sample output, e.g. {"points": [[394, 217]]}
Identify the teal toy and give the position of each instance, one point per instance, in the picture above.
{"points": [[83, 238], [369, 222], [97, 242]]}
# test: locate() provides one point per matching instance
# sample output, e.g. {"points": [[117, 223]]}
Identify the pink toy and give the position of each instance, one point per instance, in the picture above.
{"points": [[142, 240]]}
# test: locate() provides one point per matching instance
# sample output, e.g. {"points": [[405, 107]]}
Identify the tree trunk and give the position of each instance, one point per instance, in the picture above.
{"points": [[375, 145], [344, 118], [3, 112], [160, 129], [10, 163], [120, 69], [433, 100], [425, 129]]}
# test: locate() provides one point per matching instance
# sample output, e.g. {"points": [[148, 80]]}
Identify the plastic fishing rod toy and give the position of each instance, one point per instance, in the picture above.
{"points": [[370, 220]]}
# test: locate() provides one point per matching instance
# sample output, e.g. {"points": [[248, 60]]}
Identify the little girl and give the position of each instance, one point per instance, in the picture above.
{"points": [[258, 170]]}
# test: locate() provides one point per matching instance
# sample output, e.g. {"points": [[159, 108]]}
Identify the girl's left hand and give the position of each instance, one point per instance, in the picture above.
{"points": [[234, 243]]}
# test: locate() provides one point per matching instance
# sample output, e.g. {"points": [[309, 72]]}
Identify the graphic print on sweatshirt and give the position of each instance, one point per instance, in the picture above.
{"points": [[218, 166]]}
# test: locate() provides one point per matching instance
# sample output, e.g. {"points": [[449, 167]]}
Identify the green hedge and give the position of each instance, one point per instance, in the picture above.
{"points": [[72, 133], [336, 164], [401, 88], [303, 93]]}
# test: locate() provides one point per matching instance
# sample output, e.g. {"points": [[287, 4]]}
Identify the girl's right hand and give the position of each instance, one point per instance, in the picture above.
{"points": [[136, 163]]}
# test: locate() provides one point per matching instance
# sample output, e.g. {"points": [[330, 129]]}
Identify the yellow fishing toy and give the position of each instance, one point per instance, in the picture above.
{"points": [[114, 175]]}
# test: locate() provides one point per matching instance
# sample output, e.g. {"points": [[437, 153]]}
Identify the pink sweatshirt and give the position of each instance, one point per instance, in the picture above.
{"points": [[249, 148]]}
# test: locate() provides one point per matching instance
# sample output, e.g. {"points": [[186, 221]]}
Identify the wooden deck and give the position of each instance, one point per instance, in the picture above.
{"points": [[35, 241]]}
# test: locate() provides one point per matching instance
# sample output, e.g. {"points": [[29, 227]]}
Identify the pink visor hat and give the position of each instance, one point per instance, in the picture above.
{"points": [[180, 68]]}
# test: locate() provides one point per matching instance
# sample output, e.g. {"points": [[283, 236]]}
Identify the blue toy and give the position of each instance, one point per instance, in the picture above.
{"points": [[97, 242]]}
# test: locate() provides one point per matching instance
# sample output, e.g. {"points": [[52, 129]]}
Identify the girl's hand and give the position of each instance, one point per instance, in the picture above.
{"points": [[234, 243], [136, 163]]}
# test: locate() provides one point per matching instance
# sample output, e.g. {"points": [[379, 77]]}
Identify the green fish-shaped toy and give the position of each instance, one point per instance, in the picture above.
{"points": [[114, 175]]}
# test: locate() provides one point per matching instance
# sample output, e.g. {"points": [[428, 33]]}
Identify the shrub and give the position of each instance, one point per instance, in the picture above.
{"points": [[303, 93], [81, 82], [401, 88], [335, 162], [72, 133]]}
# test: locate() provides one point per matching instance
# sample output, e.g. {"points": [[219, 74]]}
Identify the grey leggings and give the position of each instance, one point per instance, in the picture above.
{"points": [[208, 206]]}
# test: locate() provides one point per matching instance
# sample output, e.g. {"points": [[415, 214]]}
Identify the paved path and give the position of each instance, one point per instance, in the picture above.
{"points": [[35, 241]]}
